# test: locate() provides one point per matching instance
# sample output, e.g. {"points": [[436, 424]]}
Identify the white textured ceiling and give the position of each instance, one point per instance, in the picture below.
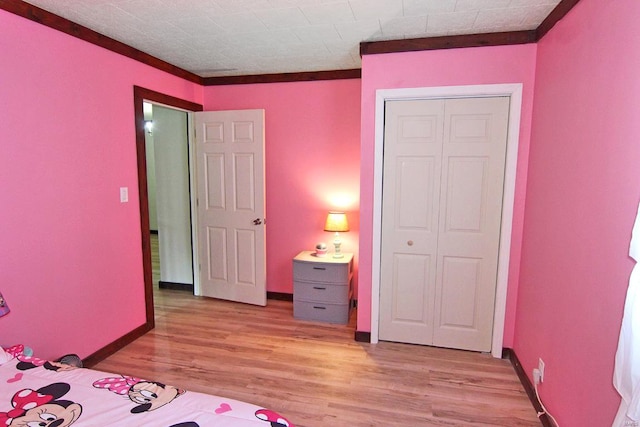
{"points": [[245, 37]]}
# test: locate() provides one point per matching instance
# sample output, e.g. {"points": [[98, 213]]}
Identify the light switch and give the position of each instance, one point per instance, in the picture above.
{"points": [[124, 194]]}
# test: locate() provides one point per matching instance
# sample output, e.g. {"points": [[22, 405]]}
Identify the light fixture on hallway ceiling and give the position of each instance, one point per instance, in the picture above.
{"points": [[148, 126], [336, 222]]}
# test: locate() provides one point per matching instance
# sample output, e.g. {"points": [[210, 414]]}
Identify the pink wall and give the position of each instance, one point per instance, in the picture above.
{"points": [[312, 160], [70, 252], [455, 67], [70, 257], [583, 191]]}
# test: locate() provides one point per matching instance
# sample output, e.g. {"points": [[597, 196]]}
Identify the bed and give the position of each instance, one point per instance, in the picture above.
{"points": [[37, 392]]}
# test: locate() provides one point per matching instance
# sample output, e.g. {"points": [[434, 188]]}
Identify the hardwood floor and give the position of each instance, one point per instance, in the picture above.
{"points": [[315, 374]]}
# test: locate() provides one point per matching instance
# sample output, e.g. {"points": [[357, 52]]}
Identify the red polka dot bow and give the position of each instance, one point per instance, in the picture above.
{"points": [[22, 401], [119, 385]]}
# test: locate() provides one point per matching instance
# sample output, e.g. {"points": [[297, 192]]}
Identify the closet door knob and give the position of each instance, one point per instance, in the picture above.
{"points": [[410, 242]]}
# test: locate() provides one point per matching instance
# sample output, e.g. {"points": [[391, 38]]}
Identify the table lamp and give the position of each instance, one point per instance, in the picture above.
{"points": [[336, 222]]}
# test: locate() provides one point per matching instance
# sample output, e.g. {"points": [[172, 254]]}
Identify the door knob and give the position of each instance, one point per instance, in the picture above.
{"points": [[410, 242], [257, 221]]}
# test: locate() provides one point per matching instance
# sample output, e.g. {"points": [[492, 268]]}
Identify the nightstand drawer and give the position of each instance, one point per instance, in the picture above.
{"points": [[332, 313], [321, 272], [328, 293]]}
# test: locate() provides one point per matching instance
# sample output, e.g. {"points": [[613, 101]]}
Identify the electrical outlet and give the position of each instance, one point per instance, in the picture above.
{"points": [[536, 376], [541, 369]]}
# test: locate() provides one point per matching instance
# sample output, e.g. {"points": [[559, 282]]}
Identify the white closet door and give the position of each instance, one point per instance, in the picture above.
{"points": [[411, 190], [442, 202]]}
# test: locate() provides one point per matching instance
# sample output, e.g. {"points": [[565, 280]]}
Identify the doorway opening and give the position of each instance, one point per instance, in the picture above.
{"points": [[142, 95], [169, 191]]}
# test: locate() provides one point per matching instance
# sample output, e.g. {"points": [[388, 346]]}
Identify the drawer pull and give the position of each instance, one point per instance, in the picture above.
{"points": [[319, 268], [319, 308], [319, 288]]}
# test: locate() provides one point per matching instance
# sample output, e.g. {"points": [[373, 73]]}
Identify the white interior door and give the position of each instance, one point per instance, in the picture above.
{"points": [[231, 205], [441, 213]]}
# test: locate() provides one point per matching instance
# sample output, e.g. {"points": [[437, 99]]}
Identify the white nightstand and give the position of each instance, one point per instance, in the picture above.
{"points": [[322, 287]]}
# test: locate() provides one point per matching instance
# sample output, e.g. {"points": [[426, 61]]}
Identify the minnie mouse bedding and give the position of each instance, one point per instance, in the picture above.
{"points": [[36, 392]]}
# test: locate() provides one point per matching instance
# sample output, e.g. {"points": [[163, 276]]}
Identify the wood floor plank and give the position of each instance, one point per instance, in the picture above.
{"points": [[316, 374]]}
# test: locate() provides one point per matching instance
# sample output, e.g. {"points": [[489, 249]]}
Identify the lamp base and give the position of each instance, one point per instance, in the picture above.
{"points": [[337, 243]]}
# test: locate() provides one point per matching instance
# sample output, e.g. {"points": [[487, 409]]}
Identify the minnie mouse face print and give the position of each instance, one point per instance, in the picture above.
{"points": [[152, 395], [147, 395], [42, 408]]}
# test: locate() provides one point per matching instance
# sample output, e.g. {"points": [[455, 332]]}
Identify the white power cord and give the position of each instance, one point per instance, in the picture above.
{"points": [[536, 381]]}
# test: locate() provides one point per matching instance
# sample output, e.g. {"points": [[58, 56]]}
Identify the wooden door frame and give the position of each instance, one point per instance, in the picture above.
{"points": [[140, 95], [514, 91]]}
